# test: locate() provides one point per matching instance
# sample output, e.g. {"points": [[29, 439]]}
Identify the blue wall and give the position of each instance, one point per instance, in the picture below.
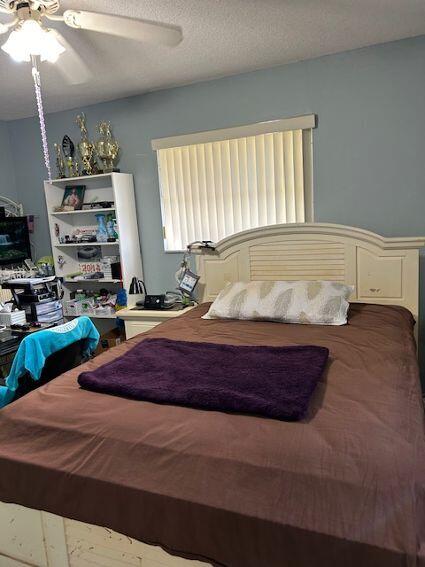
{"points": [[368, 149], [7, 169], [369, 158]]}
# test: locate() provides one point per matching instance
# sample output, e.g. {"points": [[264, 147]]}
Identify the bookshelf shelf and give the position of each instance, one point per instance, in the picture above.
{"points": [[81, 244], [83, 212]]}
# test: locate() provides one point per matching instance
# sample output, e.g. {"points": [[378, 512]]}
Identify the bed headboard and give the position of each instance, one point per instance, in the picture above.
{"points": [[383, 270]]}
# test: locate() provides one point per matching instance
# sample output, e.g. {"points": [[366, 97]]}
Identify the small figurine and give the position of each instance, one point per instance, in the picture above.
{"points": [[61, 261], [110, 227], [69, 152], [60, 164], [101, 232]]}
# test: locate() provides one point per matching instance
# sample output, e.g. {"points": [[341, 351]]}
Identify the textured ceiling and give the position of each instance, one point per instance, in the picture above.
{"points": [[221, 37]]}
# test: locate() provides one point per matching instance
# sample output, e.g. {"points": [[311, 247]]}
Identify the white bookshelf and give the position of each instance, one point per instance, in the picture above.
{"points": [[115, 187]]}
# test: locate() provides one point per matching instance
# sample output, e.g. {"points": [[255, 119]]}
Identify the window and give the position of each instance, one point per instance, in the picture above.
{"points": [[214, 184]]}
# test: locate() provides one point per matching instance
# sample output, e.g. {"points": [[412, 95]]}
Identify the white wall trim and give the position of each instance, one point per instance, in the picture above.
{"points": [[297, 123]]}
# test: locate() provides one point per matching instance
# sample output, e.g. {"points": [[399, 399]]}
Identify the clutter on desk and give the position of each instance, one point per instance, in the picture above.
{"points": [[9, 318], [45, 266], [40, 298], [121, 299], [43, 269], [101, 303]]}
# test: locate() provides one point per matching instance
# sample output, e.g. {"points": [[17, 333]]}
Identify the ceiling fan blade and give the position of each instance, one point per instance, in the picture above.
{"points": [[71, 66], [130, 28]]}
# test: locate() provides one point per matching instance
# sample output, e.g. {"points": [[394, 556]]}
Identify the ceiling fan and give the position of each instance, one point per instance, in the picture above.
{"points": [[29, 37], [29, 40]]}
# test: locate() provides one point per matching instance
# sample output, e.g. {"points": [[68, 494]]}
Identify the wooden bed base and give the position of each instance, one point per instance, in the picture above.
{"points": [[383, 270], [39, 539]]}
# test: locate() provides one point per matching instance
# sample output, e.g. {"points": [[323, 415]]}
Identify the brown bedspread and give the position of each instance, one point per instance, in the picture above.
{"points": [[343, 487]]}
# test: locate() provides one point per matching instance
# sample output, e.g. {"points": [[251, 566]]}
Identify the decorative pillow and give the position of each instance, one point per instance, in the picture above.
{"points": [[306, 302]]}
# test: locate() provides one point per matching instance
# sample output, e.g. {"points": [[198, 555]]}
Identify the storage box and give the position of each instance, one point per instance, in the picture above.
{"points": [[13, 318], [108, 340], [73, 308], [111, 267]]}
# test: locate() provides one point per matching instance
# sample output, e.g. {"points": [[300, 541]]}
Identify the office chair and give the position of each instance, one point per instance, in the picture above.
{"points": [[46, 354], [56, 364]]}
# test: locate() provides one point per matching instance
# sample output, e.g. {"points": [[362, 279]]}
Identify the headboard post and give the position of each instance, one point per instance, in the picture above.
{"points": [[383, 270]]}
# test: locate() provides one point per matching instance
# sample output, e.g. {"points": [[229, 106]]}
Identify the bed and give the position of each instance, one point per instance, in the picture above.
{"points": [[93, 479]]}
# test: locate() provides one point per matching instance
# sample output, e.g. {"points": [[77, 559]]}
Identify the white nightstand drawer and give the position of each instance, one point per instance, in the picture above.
{"points": [[141, 320], [133, 328]]}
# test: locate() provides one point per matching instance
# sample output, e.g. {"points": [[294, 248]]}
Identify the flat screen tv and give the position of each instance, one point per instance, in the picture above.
{"points": [[14, 240]]}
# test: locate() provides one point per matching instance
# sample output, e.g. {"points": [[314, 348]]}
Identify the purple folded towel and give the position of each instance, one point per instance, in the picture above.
{"points": [[270, 381]]}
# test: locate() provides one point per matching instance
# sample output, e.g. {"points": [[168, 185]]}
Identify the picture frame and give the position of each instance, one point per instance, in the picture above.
{"points": [[73, 197]]}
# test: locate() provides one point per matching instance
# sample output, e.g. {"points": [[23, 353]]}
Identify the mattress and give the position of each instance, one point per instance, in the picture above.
{"points": [[344, 486]]}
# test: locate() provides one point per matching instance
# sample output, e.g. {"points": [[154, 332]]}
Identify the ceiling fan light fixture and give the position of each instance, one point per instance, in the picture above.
{"points": [[31, 39], [52, 49], [15, 48]]}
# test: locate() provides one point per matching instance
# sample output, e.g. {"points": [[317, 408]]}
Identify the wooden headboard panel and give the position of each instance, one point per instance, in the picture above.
{"points": [[383, 270]]}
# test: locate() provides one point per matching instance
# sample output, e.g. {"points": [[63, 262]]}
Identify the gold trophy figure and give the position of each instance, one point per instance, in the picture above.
{"points": [[68, 149], [86, 148], [107, 147], [60, 163]]}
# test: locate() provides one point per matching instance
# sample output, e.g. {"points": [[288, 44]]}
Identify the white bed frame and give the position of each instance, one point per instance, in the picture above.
{"points": [[383, 270]]}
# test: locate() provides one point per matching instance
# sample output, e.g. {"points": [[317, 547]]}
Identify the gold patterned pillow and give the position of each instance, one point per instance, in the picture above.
{"points": [[306, 302]]}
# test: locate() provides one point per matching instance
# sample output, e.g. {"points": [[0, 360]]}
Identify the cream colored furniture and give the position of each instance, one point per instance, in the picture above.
{"points": [[383, 270], [139, 321]]}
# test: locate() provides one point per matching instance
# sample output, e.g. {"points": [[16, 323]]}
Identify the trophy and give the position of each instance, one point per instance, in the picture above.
{"points": [[69, 152], [86, 148], [107, 148], [60, 164]]}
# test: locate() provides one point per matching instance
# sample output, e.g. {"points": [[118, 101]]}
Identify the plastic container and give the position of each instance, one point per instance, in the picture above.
{"points": [[121, 299], [73, 307]]}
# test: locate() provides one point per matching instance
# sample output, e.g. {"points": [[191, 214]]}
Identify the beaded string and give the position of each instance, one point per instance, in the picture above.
{"points": [[37, 87]]}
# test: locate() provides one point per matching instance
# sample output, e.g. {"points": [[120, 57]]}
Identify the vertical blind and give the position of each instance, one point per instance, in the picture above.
{"points": [[214, 189]]}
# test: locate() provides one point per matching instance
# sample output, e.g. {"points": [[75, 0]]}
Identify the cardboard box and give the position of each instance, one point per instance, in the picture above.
{"points": [[109, 340]]}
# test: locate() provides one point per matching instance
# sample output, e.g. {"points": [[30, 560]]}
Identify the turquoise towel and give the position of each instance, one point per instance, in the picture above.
{"points": [[35, 348]]}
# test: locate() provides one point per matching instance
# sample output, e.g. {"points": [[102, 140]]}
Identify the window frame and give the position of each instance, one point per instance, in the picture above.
{"points": [[306, 123]]}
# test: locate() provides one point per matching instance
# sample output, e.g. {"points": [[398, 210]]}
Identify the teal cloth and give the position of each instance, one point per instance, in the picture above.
{"points": [[35, 348]]}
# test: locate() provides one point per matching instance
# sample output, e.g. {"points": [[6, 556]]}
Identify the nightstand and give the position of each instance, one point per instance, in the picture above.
{"points": [[141, 320]]}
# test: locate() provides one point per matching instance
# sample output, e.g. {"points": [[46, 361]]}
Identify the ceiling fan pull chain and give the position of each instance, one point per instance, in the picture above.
{"points": [[37, 88]]}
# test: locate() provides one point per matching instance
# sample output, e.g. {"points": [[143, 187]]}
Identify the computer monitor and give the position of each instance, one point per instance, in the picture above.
{"points": [[14, 240]]}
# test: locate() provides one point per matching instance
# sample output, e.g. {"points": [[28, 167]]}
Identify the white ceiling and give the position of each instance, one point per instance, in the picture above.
{"points": [[221, 37]]}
